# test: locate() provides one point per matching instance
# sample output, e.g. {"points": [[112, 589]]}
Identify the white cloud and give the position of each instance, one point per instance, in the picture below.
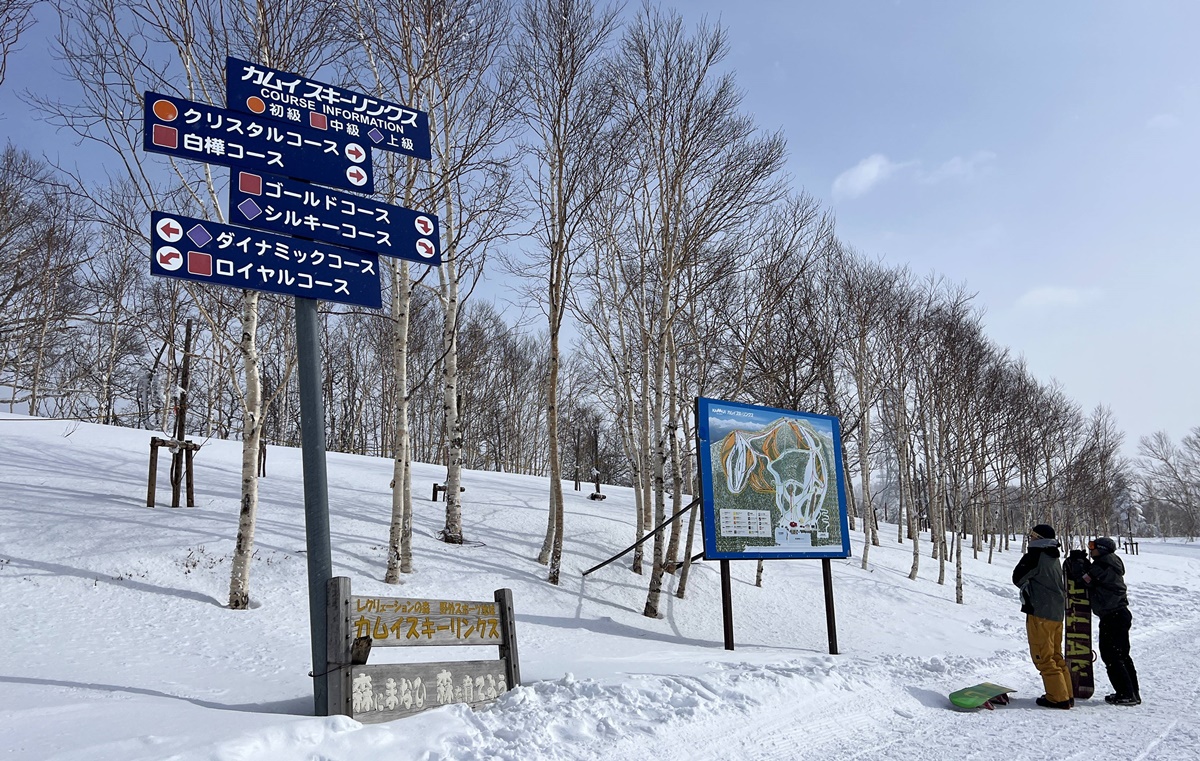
{"points": [[1048, 297], [1164, 121], [877, 168], [959, 168], [869, 172]]}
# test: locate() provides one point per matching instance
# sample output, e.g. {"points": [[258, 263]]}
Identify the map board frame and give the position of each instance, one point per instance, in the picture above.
{"points": [[772, 483]]}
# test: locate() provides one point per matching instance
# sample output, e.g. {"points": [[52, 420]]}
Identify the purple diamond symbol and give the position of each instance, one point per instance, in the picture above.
{"points": [[375, 135], [249, 209], [199, 236]]}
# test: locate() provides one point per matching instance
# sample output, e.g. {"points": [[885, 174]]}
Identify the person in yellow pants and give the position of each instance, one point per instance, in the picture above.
{"points": [[1044, 601]]}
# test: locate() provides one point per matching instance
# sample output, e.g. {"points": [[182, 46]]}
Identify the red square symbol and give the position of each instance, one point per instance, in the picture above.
{"points": [[164, 136], [199, 264], [318, 121], [251, 184]]}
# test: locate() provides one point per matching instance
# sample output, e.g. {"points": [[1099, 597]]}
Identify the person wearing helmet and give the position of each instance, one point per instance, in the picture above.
{"points": [[1110, 602]]}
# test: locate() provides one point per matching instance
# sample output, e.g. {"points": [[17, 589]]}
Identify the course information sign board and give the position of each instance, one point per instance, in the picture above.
{"points": [[772, 482], [209, 252], [199, 132], [285, 206], [258, 89]]}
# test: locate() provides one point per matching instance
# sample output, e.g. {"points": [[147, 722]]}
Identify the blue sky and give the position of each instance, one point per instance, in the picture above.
{"points": [[1043, 153]]}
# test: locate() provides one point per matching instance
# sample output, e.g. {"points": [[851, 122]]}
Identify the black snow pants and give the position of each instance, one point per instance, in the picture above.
{"points": [[1114, 650]]}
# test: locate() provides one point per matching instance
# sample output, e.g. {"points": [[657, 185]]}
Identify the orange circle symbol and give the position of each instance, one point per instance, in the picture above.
{"points": [[256, 104], [165, 110]]}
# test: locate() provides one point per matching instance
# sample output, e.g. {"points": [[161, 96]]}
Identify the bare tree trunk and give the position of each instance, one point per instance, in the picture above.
{"points": [[864, 444], [687, 558], [658, 471], [452, 532], [556, 492], [239, 583], [673, 426], [400, 531]]}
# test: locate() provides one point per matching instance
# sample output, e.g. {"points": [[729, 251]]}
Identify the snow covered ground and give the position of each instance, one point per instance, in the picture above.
{"points": [[116, 643]]}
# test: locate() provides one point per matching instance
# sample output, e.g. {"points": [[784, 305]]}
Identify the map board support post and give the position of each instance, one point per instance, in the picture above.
{"points": [[727, 604], [316, 492], [830, 621]]}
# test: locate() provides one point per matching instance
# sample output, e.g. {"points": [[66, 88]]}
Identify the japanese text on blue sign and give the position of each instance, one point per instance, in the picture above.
{"points": [[199, 132], [388, 126], [294, 208], [209, 252]]}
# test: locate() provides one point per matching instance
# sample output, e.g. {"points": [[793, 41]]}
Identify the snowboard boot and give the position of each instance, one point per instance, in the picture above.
{"points": [[1045, 702], [1127, 700]]}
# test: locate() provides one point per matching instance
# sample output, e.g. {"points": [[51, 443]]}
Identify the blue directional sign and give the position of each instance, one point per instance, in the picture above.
{"points": [[284, 206], [199, 132], [388, 126], [208, 252]]}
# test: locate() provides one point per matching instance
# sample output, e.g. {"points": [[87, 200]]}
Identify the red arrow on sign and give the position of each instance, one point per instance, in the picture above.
{"points": [[356, 175], [354, 153], [166, 257], [425, 248], [171, 230], [424, 226]]}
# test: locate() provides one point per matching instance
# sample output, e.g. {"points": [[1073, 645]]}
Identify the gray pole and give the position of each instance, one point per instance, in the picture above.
{"points": [[316, 491]]}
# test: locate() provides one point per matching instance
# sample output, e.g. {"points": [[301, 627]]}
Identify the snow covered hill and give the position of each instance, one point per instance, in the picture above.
{"points": [[117, 644]]}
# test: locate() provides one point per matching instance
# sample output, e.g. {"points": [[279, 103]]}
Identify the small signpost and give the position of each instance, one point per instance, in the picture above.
{"points": [[382, 692], [268, 202], [257, 89]]}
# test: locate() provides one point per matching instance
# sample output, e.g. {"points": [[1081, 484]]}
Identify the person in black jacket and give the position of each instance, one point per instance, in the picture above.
{"points": [[1105, 581], [1044, 603]]}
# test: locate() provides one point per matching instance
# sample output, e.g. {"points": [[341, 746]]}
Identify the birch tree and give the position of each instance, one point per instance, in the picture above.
{"points": [[704, 172], [1172, 475], [116, 50], [402, 43], [566, 104], [471, 123], [41, 258]]}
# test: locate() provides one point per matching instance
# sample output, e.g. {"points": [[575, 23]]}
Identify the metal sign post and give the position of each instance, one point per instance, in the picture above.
{"points": [[830, 621], [316, 490], [280, 126], [726, 604]]}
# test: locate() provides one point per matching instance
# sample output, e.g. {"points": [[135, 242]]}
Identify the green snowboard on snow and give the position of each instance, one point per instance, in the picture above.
{"points": [[986, 695]]}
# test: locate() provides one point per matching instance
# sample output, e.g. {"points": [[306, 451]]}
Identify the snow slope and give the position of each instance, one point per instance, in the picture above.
{"points": [[117, 644]]}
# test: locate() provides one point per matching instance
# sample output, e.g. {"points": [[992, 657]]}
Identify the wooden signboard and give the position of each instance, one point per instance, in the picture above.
{"points": [[397, 621], [382, 692]]}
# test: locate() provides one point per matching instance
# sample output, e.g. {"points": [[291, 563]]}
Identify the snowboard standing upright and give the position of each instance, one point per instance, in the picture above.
{"points": [[1078, 627]]}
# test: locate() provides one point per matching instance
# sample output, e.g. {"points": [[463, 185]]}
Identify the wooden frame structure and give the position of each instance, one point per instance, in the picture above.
{"points": [[189, 448]]}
